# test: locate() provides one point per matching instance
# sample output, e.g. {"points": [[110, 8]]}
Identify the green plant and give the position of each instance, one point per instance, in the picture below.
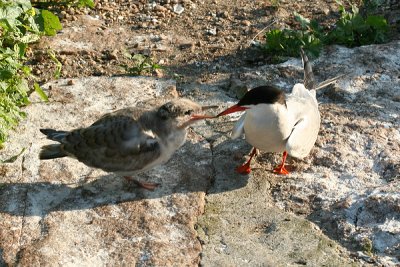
{"points": [[287, 42], [140, 64], [67, 3], [352, 29], [20, 25], [53, 57]]}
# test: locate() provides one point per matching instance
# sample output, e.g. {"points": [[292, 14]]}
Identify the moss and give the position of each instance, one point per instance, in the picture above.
{"points": [[367, 246]]}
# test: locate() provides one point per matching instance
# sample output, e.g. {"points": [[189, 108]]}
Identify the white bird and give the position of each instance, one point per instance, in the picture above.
{"points": [[127, 141], [275, 122]]}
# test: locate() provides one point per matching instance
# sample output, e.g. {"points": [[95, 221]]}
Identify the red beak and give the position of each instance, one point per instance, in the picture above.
{"points": [[230, 110]]}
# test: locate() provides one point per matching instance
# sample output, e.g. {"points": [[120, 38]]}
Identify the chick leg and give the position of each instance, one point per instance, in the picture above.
{"points": [[144, 185], [245, 168], [281, 168]]}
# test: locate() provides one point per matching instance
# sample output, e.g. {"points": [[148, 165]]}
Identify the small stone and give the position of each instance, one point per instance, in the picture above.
{"points": [[160, 8], [224, 14], [246, 23], [187, 46], [178, 9], [211, 31], [70, 82]]}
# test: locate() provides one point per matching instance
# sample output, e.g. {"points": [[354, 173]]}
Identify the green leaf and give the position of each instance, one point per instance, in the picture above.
{"points": [[53, 57], [6, 74], [40, 92], [304, 22], [48, 22], [84, 3], [377, 22], [24, 4]]}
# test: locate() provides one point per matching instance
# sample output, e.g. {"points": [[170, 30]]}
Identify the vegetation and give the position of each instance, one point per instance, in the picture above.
{"points": [[67, 3], [352, 29], [140, 64], [22, 24]]}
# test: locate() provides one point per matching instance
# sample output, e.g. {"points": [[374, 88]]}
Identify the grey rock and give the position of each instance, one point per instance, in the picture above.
{"points": [[338, 207], [62, 212]]}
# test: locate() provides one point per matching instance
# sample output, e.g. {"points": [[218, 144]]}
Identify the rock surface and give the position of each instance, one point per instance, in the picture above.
{"points": [[348, 187], [61, 212], [338, 207]]}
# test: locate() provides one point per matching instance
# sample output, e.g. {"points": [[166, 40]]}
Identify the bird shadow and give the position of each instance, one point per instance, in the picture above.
{"points": [[183, 174]]}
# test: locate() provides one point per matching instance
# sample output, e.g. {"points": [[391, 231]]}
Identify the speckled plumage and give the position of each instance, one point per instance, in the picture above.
{"points": [[126, 141]]}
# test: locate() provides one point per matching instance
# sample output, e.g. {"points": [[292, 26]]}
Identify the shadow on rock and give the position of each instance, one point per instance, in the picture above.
{"points": [[183, 174]]}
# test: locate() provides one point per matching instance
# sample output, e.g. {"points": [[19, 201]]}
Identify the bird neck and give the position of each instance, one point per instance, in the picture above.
{"points": [[160, 127]]}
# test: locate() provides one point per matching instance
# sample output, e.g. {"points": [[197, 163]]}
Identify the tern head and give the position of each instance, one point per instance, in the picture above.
{"points": [[183, 110], [256, 96]]}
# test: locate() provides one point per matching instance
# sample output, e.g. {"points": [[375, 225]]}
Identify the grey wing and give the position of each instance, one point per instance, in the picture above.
{"points": [[132, 112], [117, 143]]}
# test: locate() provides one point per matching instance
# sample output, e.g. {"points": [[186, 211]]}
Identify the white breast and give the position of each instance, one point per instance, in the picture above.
{"points": [[267, 126], [168, 146], [276, 128]]}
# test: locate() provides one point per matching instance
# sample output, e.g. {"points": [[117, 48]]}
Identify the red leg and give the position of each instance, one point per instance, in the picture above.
{"points": [[245, 168], [281, 168], [145, 185]]}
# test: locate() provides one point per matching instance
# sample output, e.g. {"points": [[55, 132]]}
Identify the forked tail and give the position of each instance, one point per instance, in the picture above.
{"points": [[55, 150], [52, 152], [309, 80]]}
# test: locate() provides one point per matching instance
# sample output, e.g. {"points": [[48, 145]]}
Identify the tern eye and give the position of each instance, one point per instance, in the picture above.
{"points": [[189, 112]]}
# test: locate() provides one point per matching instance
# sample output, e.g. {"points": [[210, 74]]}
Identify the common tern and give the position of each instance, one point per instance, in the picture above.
{"points": [[277, 122], [128, 141]]}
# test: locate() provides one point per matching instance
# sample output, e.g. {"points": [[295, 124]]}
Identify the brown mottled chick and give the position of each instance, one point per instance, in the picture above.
{"points": [[129, 140]]}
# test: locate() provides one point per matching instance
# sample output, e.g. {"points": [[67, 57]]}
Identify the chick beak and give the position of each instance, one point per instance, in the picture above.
{"points": [[196, 117], [235, 108]]}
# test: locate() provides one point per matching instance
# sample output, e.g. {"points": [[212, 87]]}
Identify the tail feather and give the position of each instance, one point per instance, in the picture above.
{"points": [[329, 81], [52, 152], [309, 80], [54, 134]]}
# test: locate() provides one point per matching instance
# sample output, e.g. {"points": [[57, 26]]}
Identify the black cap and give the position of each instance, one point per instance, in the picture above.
{"points": [[263, 95]]}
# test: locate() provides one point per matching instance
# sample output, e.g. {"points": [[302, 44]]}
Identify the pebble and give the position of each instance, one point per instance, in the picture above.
{"points": [[160, 8], [212, 31], [246, 23], [178, 9]]}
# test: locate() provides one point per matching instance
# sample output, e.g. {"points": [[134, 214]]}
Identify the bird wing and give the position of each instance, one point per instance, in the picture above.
{"points": [[238, 129], [115, 143], [306, 118]]}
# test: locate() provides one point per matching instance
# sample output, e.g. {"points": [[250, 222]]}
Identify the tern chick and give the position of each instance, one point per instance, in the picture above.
{"points": [[128, 141]]}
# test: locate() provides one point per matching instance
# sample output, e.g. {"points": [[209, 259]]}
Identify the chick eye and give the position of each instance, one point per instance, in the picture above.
{"points": [[188, 112]]}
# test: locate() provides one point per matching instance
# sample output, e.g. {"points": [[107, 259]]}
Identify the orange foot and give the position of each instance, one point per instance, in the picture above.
{"points": [[281, 170], [244, 169], [144, 185], [148, 186]]}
